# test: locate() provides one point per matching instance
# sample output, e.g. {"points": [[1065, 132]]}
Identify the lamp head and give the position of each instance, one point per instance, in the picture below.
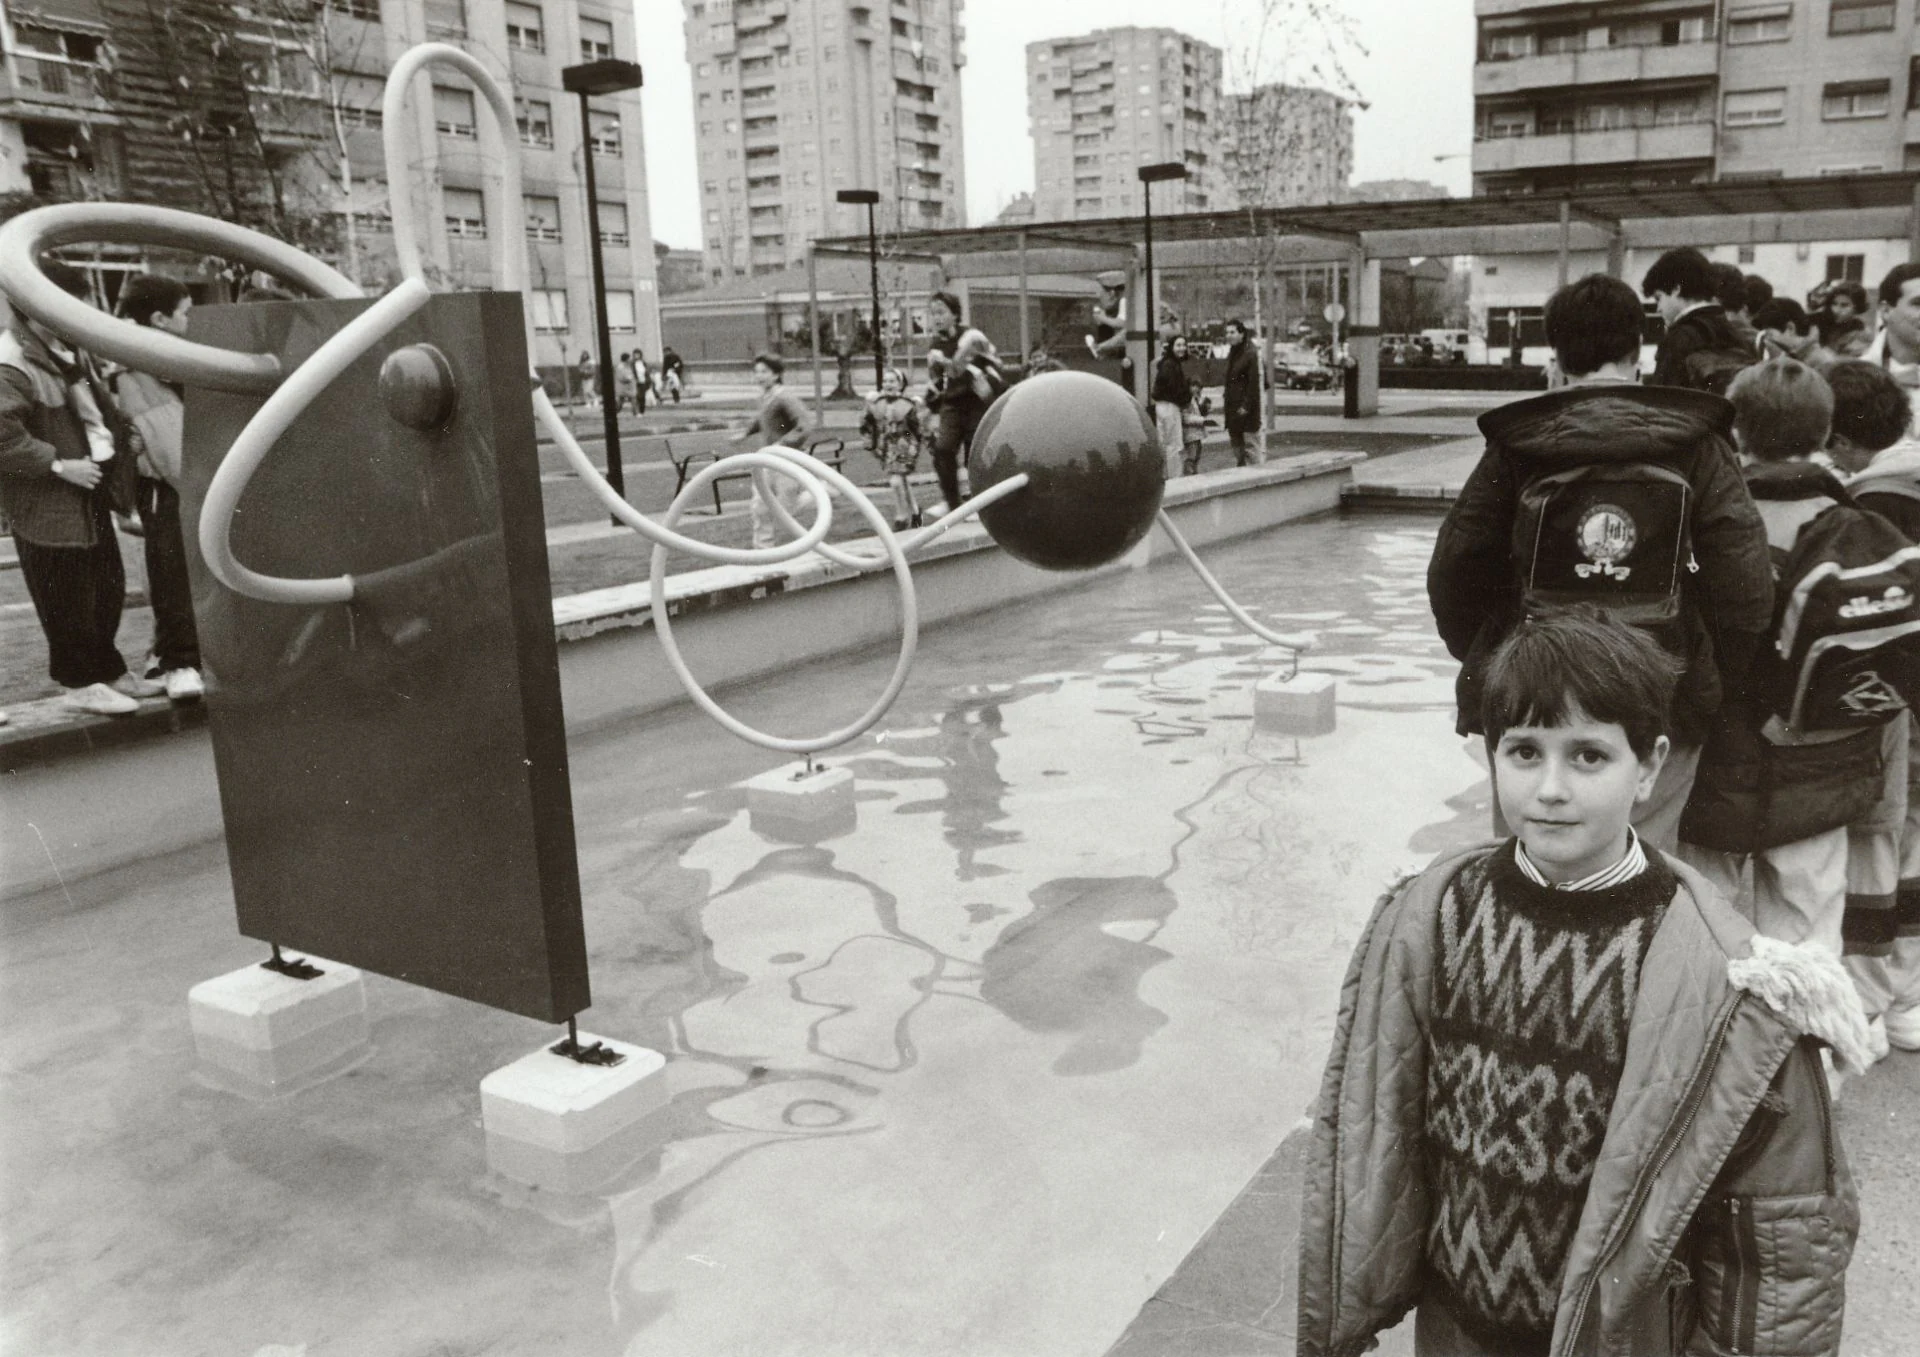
{"points": [[607, 76], [857, 195], [1153, 174]]}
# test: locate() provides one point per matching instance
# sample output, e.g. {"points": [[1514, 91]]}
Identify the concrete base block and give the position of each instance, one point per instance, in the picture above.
{"points": [[561, 1126], [260, 1033], [1301, 705], [790, 792]]}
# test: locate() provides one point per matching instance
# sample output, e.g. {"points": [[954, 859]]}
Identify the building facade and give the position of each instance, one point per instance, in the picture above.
{"points": [[1285, 144], [270, 115], [1103, 104], [1638, 93], [795, 100]]}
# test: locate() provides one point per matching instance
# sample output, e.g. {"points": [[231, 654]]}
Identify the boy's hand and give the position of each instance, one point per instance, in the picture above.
{"points": [[75, 472]]}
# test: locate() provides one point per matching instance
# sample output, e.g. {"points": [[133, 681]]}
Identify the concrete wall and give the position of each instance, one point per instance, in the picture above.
{"points": [[74, 813]]}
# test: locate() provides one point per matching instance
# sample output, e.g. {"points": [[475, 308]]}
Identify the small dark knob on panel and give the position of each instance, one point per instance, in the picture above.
{"points": [[417, 387]]}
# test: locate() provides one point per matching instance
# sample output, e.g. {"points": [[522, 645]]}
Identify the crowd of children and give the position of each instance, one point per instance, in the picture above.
{"points": [[1579, 1095]]}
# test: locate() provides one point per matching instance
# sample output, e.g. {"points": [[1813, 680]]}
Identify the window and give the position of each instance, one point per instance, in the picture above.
{"points": [[596, 39], [275, 69], [1552, 40], [359, 9], [1509, 123], [1771, 24], [1509, 46], [605, 131], [534, 118], [1745, 253], [1859, 16], [1659, 32], [466, 212], [446, 18], [358, 99], [1913, 83], [453, 113], [620, 312], [1755, 108], [543, 218], [1856, 99], [549, 310], [613, 223], [1850, 267], [524, 29]]}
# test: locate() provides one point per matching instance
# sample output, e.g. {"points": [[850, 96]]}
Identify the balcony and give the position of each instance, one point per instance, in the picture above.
{"points": [[1684, 141], [56, 81], [1597, 66]]}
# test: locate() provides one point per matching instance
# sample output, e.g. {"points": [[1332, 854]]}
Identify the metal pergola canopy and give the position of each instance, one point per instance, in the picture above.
{"points": [[1351, 221]]}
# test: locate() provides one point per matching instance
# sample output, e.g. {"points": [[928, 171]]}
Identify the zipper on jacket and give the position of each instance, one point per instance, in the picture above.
{"points": [[1743, 1320], [1669, 1145]]}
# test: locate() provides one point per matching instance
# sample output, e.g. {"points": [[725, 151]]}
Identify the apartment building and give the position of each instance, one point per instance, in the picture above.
{"points": [[795, 100], [270, 115], [1103, 104], [1286, 144], [1628, 93]]}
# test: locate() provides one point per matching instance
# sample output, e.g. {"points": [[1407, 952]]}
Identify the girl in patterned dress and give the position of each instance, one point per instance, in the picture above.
{"points": [[895, 427]]}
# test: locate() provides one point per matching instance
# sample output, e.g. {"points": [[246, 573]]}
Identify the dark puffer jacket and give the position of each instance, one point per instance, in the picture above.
{"points": [[1721, 1215], [1704, 328], [1473, 581]]}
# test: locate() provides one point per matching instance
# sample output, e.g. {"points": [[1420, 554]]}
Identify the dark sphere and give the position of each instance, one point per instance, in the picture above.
{"points": [[417, 387], [1094, 467]]}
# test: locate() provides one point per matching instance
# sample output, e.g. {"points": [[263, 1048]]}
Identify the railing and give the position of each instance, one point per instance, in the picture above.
{"points": [[58, 77], [1583, 127], [1488, 54]]}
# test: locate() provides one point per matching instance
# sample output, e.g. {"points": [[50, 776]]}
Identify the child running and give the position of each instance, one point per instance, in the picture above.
{"points": [[896, 428], [1571, 1090]]}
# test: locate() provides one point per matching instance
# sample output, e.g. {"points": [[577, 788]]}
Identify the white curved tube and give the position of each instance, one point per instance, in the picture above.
{"points": [[856, 560], [809, 473], [1287, 640], [264, 430]]}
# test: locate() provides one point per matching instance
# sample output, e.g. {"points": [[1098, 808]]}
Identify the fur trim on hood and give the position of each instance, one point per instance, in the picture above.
{"points": [[1810, 992], [1902, 459]]}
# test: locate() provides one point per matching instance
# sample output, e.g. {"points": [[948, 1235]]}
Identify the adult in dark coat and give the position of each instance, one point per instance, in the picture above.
{"points": [[1242, 394]]}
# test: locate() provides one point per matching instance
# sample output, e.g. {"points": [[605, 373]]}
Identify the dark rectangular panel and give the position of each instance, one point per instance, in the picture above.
{"points": [[393, 771]]}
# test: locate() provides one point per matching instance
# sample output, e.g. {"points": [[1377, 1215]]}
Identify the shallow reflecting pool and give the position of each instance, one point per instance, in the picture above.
{"points": [[970, 1076]]}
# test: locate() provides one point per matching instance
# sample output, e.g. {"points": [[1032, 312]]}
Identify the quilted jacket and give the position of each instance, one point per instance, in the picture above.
{"points": [[1721, 1214], [1473, 579]]}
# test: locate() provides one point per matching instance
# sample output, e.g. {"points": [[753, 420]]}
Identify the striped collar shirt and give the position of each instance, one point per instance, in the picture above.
{"points": [[1631, 864]]}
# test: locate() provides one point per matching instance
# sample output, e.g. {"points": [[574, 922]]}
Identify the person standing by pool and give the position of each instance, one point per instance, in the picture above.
{"points": [[1242, 393], [964, 373], [781, 419]]}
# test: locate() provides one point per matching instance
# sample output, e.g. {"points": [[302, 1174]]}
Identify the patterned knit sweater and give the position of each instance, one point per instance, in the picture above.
{"points": [[1533, 995]]}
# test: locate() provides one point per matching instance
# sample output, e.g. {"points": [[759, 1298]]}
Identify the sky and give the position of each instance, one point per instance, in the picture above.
{"points": [[1409, 61]]}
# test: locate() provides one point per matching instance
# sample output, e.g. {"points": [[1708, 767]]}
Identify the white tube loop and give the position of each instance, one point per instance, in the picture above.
{"points": [[264, 430], [856, 560], [809, 473], [1292, 641]]}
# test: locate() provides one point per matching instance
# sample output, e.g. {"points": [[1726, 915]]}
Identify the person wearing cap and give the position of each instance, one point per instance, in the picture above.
{"points": [[1109, 337]]}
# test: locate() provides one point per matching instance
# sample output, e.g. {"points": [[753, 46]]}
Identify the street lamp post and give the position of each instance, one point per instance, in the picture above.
{"points": [[1149, 176], [608, 76], [870, 197]]}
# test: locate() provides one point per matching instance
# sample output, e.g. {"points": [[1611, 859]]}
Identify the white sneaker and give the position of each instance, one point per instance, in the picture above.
{"points": [[1903, 1028], [101, 700], [134, 686], [184, 685]]}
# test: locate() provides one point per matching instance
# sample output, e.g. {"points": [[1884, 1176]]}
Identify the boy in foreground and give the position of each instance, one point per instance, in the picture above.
{"points": [[1570, 1087]]}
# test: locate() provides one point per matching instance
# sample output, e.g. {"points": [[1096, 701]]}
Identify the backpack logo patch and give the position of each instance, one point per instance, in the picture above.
{"points": [[1895, 599], [1870, 695], [1607, 534]]}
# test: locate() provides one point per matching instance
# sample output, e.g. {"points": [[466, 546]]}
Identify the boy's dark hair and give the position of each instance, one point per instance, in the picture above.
{"points": [[1759, 292], [1685, 271], [774, 363], [951, 302], [1580, 659], [147, 293], [1870, 408], [1782, 313], [1592, 322], [1897, 278], [1781, 409], [66, 277], [1236, 323], [1729, 286]]}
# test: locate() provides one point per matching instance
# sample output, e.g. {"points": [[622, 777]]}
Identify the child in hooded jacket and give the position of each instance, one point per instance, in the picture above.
{"points": [[1873, 444], [896, 428], [1570, 1087]]}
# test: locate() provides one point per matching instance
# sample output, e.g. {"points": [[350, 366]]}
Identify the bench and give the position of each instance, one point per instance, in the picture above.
{"points": [[832, 451]]}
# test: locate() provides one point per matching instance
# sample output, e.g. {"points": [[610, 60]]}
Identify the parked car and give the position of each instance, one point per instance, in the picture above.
{"points": [[1297, 367]]}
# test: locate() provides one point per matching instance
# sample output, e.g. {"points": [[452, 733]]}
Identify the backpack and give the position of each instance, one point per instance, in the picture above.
{"points": [[1714, 369], [1846, 648], [1615, 534]]}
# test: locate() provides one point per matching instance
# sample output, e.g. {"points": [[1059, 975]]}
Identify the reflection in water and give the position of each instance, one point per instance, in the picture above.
{"points": [[1064, 968]]}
